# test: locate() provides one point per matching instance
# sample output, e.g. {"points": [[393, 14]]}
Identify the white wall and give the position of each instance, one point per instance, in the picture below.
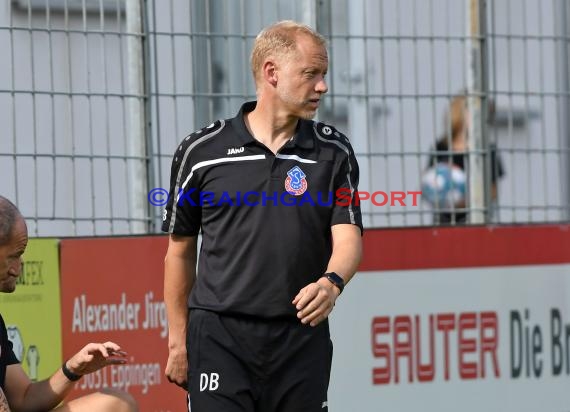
{"points": [[531, 292]]}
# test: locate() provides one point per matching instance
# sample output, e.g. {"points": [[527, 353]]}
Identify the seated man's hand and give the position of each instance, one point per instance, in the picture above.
{"points": [[95, 356]]}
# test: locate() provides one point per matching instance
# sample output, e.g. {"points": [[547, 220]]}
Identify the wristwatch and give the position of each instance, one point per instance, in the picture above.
{"points": [[336, 280]]}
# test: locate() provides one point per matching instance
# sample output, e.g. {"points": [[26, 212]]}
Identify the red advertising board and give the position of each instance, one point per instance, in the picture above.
{"points": [[467, 246], [112, 289]]}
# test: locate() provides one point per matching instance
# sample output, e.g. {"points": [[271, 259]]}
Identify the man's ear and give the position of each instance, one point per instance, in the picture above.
{"points": [[270, 72]]}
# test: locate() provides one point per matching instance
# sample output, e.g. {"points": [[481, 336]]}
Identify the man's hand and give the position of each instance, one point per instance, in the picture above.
{"points": [[177, 367], [95, 356], [315, 301]]}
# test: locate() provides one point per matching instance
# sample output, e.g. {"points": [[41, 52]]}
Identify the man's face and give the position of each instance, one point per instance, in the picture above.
{"points": [[301, 82], [11, 256]]}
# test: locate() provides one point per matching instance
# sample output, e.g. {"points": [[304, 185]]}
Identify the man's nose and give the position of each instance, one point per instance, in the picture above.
{"points": [[17, 268], [321, 86]]}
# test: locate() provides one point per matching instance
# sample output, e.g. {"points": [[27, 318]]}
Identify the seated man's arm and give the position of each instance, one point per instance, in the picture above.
{"points": [[24, 395]]}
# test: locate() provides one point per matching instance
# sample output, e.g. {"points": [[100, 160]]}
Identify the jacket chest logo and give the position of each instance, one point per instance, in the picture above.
{"points": [[296, 182], [235, 150]]}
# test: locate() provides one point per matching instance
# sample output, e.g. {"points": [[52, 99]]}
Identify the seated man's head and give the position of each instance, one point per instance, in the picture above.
{"points": [[13, 242]]}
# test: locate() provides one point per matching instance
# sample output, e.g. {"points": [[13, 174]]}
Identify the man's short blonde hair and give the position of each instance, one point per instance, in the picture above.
{"points": [[278, 40]]}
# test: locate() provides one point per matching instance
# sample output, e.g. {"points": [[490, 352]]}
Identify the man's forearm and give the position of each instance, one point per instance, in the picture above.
{"points": [[179, 277], [347, 251], [177, 287], [46, 394]]}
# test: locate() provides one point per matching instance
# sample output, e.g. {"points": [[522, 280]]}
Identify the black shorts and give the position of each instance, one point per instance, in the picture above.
{"points": [[244, 364]]}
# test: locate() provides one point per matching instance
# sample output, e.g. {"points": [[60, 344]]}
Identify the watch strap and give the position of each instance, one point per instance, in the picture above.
{"points": [[68, 374], [336, 280]]}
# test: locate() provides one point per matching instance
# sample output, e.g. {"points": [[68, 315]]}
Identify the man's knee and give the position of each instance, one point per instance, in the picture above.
{"points": [[124, 401], [106, 400]]}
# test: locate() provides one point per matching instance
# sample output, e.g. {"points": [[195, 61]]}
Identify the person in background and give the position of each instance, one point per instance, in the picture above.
{"points": [[452, 148], [17, 391]]}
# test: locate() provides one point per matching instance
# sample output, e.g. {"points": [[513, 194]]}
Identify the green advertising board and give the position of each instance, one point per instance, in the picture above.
{"points": [[33, 312]]}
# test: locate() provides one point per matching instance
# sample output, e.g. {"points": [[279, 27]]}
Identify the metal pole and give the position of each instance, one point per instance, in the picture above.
{"points": [[565, 105], [310, 13], [153, 157], [357, 104], [136, 115], [484, 123], [475, 141]]}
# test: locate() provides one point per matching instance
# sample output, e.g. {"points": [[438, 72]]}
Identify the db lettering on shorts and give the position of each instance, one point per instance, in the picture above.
{"points": [[209, 381]]}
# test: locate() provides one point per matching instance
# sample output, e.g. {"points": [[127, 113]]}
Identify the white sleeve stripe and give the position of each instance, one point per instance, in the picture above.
{"points": [[350, 186], [181, 169]]}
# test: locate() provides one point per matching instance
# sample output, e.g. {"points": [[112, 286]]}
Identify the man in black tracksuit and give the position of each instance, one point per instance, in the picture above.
{"points": [[278, 243]]}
